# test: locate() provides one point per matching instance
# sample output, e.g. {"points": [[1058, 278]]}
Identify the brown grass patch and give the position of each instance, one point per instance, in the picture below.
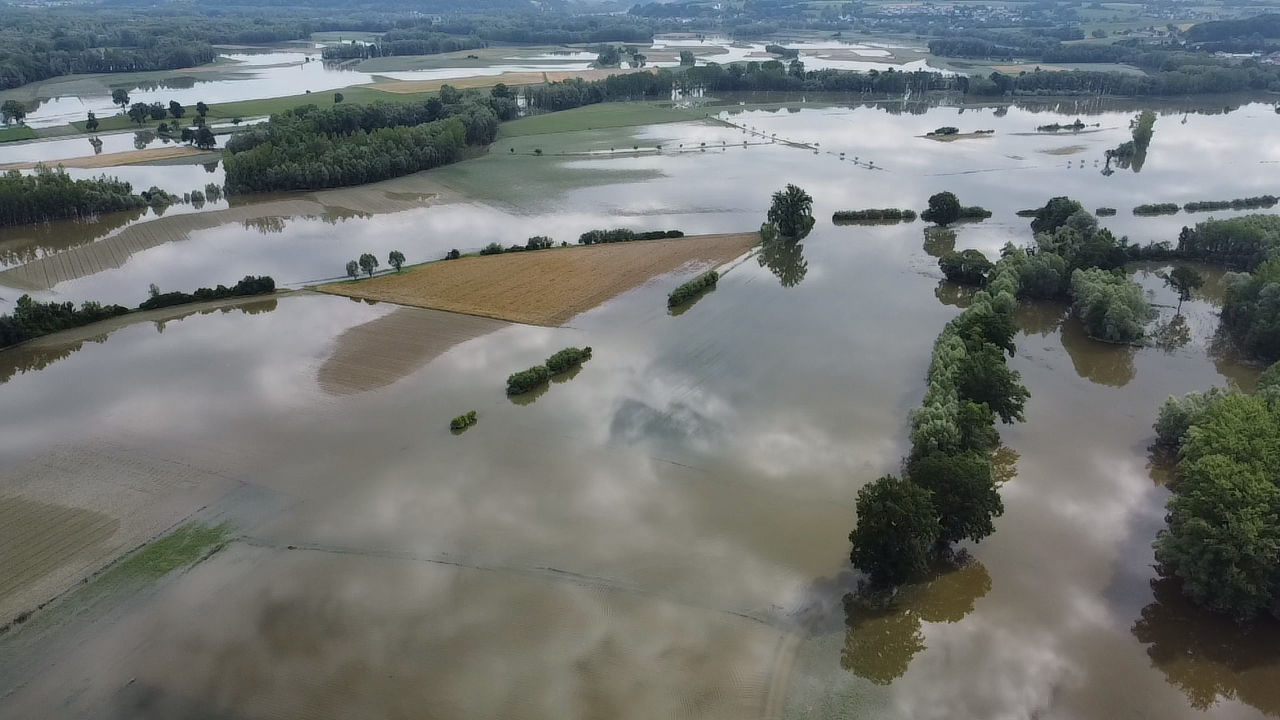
{"points": [[511, 78], [128, 157], [546, 287]]}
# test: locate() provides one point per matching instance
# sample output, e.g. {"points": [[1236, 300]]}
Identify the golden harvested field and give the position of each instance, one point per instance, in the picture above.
{"points": [[511, 78], [113, 159], [546, 287]]}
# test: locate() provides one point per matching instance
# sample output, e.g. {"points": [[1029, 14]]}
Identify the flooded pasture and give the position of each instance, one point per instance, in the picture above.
{"points": [[664, 533]]}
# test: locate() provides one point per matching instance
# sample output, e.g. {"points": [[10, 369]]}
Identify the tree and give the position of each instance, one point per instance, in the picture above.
{"points": [[157, 111], [964, 492], [204, 138], [13, 111], [944, 209], [176, 109], [139, 112], [368, 263], [501, 91], [202, 109], [120, 97], [92, 123], [395, 259], [966, 268], [985, 378], [1184, 280], [896, 529], [188, 135], [353, 269], [1054, 214], [791, 212], [1223, 536], [687, 58], [337, 98]]}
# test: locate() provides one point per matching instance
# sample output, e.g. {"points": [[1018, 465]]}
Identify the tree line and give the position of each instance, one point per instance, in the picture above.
{"points": [[414, 41], [49, 194], [309, 148]]}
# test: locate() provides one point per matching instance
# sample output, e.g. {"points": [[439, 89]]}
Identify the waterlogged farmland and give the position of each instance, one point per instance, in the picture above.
{"points": [[660, 533]]}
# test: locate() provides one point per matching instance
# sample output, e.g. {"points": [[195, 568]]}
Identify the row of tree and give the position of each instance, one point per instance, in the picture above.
{"points": [[31, 319], [948, 491], [409, 41]]}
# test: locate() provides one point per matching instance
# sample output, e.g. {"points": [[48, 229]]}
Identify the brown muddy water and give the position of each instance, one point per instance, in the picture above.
{"points": [[663, 535]]}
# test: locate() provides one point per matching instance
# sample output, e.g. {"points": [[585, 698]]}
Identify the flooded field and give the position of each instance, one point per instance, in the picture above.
{"points": [[662, 533]]}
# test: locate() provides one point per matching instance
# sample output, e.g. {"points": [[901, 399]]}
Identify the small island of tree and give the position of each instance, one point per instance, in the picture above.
{"points": [[944, 209]]}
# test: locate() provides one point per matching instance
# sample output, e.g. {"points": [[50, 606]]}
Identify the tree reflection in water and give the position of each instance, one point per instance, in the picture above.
{"points": [[785, 259], [939, 241], [1098, 362], [883, 633], [1210, 657]]}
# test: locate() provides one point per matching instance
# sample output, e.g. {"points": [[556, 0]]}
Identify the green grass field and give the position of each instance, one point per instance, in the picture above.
{"points": [[596, 117], [22, 132]]}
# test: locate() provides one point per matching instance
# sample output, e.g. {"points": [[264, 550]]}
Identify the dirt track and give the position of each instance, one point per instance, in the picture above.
{"points": [[546, 287]]}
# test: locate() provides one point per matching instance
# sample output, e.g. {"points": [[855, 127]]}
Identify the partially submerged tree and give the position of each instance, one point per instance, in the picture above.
{"points": [[944, 209], [791, 212], [896, 529], [1184, 280]]}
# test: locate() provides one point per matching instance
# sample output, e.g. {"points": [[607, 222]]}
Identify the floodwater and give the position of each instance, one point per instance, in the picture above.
{"points": [[664, 534], [241, 76]]}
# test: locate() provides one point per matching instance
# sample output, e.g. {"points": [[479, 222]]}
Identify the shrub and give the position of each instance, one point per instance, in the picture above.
{"points": [[974, 212], [873, 215], [464, 421], [452, 254], [526, 380], [1248, 203], [1156, 209], [1105, 211], [965, 268], [946, 130], [689, 290], [567, 359], [492, 248], [538, 242]]}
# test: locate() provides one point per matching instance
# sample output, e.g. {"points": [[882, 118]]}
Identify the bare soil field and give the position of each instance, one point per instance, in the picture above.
{"points": [[381, 351], [129, 157], [546, 287]]}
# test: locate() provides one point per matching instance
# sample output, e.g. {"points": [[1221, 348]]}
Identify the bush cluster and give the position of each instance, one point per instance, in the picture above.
{"points": [[567, 359], [562, 361], [594, 237], [689, 290], [1156, 209], [873, 215], [1111, 306], [1248, 203], [247, 286], [464, 421], [1105, 212]]}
